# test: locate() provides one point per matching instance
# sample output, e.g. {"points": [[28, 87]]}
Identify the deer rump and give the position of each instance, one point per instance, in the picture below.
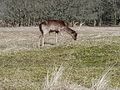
{"points": [[55, 26]]}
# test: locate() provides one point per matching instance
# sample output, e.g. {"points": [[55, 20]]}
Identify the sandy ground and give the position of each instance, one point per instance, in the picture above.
{"points": [[25, 38]]}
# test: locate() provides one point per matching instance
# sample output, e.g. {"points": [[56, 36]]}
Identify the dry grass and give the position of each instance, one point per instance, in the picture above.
{"points": [[56, 82], [95, 49], [26, 38], [17, 39]]}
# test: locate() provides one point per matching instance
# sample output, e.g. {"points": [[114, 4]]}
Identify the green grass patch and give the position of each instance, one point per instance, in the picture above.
{"points": [[82, 63]]}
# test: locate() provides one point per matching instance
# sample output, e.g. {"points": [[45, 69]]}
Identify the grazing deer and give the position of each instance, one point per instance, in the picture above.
{"points": [[55, 26]]}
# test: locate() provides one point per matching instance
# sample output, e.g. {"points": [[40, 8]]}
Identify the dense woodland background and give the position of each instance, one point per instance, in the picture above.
{"points": [[32, 12]]}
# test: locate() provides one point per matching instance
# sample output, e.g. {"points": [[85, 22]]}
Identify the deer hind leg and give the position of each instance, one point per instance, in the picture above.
{"points": [[56, 38], [43, 41]]}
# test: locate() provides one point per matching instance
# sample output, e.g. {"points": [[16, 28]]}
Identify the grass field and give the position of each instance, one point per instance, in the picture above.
{"points": [[24, 66]]}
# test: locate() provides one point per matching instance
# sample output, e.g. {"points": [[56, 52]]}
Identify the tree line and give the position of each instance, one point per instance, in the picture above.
{"points": [[31, 12]]}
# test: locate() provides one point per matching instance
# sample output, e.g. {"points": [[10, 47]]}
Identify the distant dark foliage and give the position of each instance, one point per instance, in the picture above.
{"points": [[31, 12]]}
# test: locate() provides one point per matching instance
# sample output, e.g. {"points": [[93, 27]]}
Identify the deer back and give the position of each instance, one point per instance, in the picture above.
{"points": [[52, 26]]}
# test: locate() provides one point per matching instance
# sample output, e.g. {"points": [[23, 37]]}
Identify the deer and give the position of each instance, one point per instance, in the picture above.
{"points": [[56, 26]]}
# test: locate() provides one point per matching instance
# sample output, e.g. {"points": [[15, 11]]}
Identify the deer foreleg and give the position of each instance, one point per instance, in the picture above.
{"points": [[56, 38], [43, 40], [39, 43]]}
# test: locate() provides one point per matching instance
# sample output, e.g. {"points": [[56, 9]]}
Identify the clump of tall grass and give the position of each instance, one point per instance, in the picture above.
{"points": [[56, 82]]}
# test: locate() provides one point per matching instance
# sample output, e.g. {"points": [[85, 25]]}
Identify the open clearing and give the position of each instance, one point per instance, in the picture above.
{"points": [[25, 38], [23, 66]]}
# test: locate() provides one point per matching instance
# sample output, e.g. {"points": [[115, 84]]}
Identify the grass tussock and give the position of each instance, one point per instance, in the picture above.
{"points": [[56, 82]]}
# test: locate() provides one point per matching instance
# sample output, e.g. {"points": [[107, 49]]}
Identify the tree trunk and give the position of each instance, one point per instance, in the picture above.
{"points": [[95, 22], [28, 21], [115, 18], [100, 22]]}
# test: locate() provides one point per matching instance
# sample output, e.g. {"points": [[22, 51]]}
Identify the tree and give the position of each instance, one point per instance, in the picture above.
{"points": [[30, 12]]}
